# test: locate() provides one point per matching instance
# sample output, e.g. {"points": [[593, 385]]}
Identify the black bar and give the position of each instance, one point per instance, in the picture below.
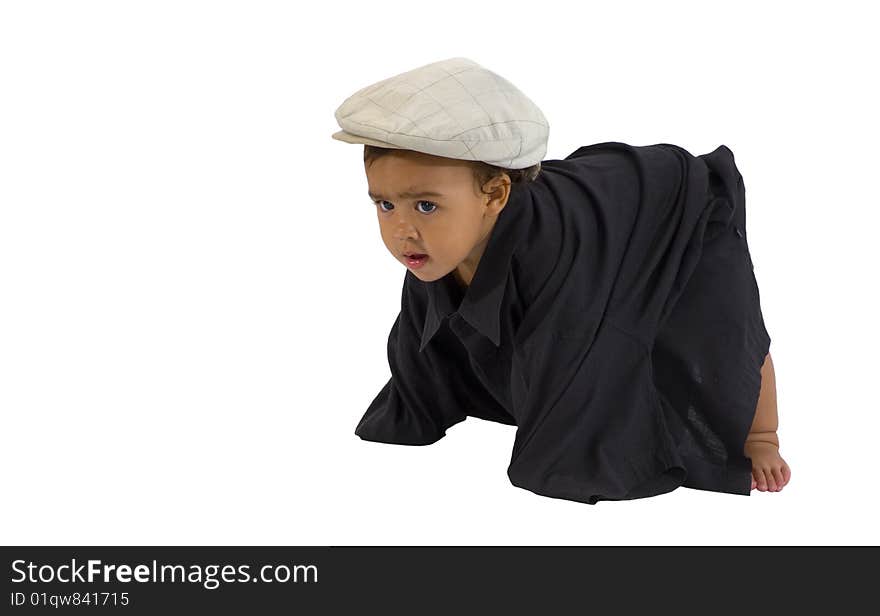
{"points": [[412, 580]]}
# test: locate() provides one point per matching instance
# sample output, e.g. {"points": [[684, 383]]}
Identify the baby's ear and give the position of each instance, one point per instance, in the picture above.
{"points": [[500, 195]]}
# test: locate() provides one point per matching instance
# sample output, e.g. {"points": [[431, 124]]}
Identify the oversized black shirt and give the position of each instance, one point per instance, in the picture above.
{"points": [[614, 318]]}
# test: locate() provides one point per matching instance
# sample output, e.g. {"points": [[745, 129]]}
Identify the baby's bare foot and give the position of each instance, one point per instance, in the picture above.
{"points": [[770, 473]]}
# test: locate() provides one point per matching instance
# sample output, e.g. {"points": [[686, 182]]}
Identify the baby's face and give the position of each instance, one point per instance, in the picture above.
{"points": [[450, 226]]}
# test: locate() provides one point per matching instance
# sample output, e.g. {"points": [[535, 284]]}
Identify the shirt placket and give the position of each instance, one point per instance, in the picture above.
{"points": [[490, 364]]}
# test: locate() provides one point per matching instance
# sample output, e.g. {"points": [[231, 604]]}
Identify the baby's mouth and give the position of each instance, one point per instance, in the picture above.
{"points": [[415, 259]]}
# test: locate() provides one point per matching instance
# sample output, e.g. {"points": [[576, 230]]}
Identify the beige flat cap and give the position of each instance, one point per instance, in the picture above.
{"points": [[453, 108]]}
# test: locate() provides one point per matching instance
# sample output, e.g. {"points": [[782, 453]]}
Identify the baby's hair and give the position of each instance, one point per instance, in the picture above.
{"points": [[483, 172]]}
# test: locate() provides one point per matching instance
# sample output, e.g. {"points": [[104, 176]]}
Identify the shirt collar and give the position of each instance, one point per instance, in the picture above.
{"points": [[481, 304]]}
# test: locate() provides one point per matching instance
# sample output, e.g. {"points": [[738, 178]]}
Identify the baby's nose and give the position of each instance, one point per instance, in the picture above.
{"points": [[404, 231]]}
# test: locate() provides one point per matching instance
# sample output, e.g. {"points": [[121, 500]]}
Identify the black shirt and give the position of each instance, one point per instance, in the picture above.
{"points": [[614, 318]]}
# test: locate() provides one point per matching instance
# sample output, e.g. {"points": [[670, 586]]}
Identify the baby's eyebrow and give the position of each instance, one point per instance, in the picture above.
{"points": [[408, 194]]}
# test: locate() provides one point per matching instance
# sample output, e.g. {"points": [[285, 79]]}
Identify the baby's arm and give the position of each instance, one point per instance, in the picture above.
{"points": [[766, 421]]}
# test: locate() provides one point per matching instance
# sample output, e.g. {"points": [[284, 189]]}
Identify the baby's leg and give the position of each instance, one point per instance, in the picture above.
{"points": [[769, 471]]}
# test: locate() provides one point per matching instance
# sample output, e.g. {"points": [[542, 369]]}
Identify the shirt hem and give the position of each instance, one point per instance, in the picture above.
{"points": [[394, 437]]}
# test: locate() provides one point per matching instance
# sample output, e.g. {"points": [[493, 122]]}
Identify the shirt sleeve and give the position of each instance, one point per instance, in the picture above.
{"points": [[590, 424], [428, 391], [709, 352]]}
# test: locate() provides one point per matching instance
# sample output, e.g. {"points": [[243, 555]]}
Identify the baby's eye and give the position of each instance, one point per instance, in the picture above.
{"points": [[433, 206]]}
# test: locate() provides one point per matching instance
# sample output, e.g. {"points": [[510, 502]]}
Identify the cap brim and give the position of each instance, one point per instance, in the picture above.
{"points": [[357, 139]]}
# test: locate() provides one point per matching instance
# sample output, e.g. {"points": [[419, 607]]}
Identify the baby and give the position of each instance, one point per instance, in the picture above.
{"points": [[604, 304]]}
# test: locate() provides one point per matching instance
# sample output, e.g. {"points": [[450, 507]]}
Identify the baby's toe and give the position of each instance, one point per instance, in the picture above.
{"points": [[771, 482], [762, 482], [777, 476]]}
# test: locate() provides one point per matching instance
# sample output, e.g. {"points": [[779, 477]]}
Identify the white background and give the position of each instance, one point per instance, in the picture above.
{"points": [[195, 299]]}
